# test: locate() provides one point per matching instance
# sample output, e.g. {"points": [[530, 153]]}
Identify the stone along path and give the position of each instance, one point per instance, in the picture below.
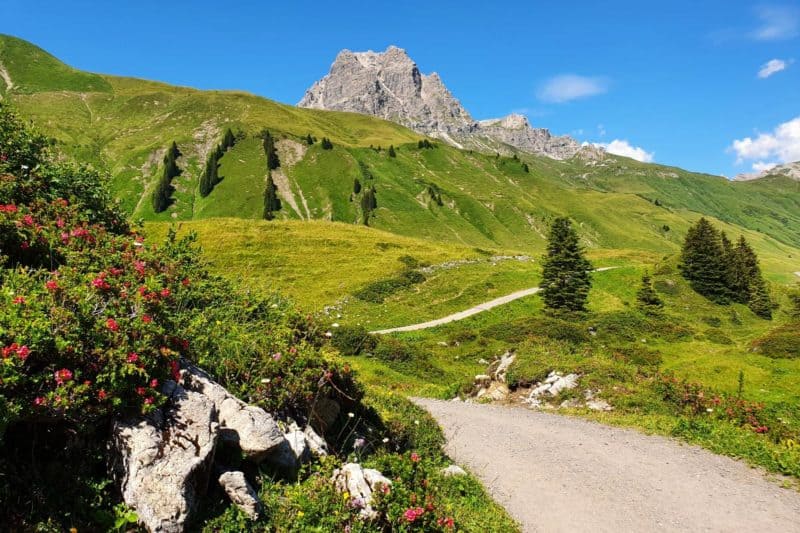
{"points": [[555, 473], [461, 315]]}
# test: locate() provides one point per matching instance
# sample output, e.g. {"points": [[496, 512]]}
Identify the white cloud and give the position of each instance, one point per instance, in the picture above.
{"points": [[626, 149], [781, 145], [771, 67], [777, 22], [571, 87], [761, 166]]}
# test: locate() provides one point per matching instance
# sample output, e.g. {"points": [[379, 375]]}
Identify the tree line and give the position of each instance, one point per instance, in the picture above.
{"points": [[210, 177], [722, 271]]}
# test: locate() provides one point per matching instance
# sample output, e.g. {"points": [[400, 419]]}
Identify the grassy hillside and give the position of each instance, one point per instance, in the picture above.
{"points": [[123, 125]]}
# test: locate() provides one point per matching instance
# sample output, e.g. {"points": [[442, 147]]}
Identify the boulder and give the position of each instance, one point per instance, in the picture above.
{"points": [[502, 367], [251, 428], [453, 470], [360, 483], [316, 444], [241, 493], [163, 461]]}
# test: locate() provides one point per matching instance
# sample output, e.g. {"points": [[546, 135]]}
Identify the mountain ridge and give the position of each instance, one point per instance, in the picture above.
{"points": [[390, 85]]}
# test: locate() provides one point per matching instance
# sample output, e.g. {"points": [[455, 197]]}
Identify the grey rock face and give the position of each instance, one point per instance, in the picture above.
{"points": [[389, 85], [241, 493], [163, 461], [251, 428], [360, 483], [790, 170]]}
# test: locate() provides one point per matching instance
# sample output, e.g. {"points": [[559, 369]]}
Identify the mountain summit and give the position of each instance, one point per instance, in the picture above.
{"points": [[390, 85]]}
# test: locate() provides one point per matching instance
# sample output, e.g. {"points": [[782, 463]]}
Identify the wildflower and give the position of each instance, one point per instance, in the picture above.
{"points": [[51, 285], [8, 350], [186, 282], [447, 522], [153, 383], [141, 391], [346, 495], [415, 457], [25, 245], [276, 356], [174, 368], [300, 514], [23, 352], [709, 410], [38, 401], [149, 400], [359, 443], [147, 319], [351, 415], [328, 334], [165, 293], [62, 376], [385, 488], [265, 380], [27, 220], [8, 208], [101, 394], [19, 300], [413, 513], [100, 283], [133, 357], [385, 440], [139, 266], [112, 324]]}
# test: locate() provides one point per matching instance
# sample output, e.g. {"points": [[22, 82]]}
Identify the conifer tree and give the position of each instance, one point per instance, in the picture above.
{"points": [[702, 262], [368, 204], [163, 191], [566, 277], [391, 151], [309, 140], [759, 302], [326, 144], [269, 149], [228, 140], [525, 168], [647, 298], [356, 186], [271, 201]]}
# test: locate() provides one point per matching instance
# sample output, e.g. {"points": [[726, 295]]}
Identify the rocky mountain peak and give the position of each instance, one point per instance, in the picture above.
{"points": [[790, 170], [390, 85]]}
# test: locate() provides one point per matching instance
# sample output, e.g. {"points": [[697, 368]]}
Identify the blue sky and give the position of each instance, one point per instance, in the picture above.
{"points": [[710, 86]]}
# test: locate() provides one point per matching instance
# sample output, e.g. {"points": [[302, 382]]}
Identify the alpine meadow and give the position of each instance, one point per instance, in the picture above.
{"points": [[372, 312]]}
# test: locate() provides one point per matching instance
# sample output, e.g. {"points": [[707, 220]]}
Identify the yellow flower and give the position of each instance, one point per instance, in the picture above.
{"points": [[346, 495], [300, 514]]}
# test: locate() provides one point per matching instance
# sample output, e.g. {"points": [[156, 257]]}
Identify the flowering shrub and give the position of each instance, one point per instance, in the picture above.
{"points": [[693, 399]]}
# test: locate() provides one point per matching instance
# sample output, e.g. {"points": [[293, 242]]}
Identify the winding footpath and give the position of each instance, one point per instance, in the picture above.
{"points": [[471, 311], [556, 473]]}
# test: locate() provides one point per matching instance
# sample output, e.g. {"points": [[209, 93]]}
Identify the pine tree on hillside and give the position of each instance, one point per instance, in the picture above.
{"points": [[269, 150], [647, 297], [210, 176], [228, 140], [309, 140], [326, 144], [369, 203], [760, 302], [356, 186], [702, 262], [164, 189], [525, 168], [391, 151], [271, 201], [566, 274]]}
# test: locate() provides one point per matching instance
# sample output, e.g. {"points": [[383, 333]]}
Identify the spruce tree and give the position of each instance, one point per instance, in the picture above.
{"points": [[525, 168], [647, 297], [566, 277], [356, 186], [326, 144], [271, 201], [269, 150], [391, 151], [228, 140], [759, 302], [309, 140], [702, 262], [163, 191]]}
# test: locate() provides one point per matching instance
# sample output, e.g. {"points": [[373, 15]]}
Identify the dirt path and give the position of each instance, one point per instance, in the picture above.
{"points": [[471, 311], [556, 473]]}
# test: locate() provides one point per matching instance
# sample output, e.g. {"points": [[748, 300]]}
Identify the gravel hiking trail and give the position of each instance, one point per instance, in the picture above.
{"points": [[558, 473], [461, 315]]}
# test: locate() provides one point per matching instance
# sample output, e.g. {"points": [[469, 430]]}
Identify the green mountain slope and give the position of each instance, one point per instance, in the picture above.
{"points": [[123, 125]]}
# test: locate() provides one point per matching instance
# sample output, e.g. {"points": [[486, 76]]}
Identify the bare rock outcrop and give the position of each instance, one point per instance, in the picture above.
{"points": [[163, 461], [389, 85], [240, 492], [251, 428], [360, 483]]}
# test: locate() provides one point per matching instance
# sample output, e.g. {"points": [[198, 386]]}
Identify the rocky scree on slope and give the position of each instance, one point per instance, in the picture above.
{"points": [[390, 85]]}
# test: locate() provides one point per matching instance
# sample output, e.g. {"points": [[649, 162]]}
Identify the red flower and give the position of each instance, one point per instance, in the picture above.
{"points": [[38, 401], [185, 282], [147, 319], [153, 383], [115, 271], [23, 352], [102, 394], [8, 208], [62, 376], [175, 369], [413, 513], [165, 293], [141, 391], [448, 522], [27, 220], [51, 285], [8, 350], [415, 457], [148, 400], [133, 357], [19, 300], [112, 324], [139, 267]]}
